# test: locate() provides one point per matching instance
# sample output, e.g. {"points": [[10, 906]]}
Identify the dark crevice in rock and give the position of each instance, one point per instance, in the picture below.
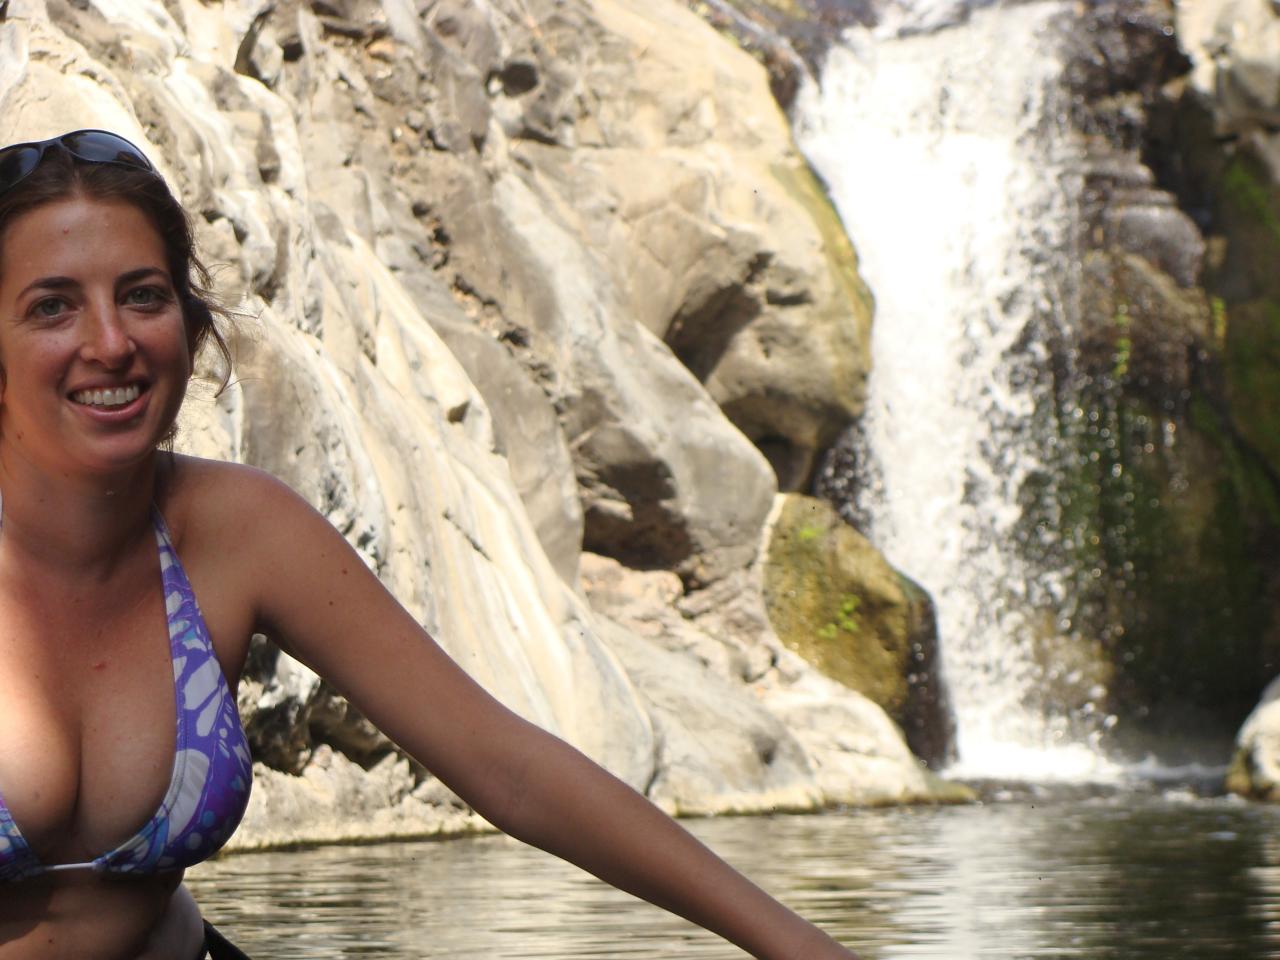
{"points": [[244, 53], [701, 337], [516, 78]]}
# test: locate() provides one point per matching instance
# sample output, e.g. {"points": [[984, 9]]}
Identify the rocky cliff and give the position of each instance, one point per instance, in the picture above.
{"points": [[540, 307], [1174, 485], [1221, 135]]}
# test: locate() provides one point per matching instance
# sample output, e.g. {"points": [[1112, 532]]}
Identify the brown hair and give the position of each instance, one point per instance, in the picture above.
{"points": [[60, 175]]}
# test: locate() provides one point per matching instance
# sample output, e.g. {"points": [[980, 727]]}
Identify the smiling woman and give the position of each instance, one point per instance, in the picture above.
{"points": [[102, 331], [122, 760]]}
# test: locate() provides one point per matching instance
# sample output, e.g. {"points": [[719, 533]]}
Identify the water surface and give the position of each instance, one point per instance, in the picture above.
{"points": [[1116, 878]]}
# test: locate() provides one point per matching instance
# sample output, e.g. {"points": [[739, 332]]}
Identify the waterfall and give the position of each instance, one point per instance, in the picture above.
{"points": [[948, 155]]}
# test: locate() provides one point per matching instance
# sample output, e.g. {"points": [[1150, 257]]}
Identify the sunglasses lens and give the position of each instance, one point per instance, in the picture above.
{"points": [[89, 146], [98, 146], [16, 163]]}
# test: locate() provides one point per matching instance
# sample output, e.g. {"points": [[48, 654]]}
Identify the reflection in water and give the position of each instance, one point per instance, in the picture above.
{"points": [[1121, 878]]}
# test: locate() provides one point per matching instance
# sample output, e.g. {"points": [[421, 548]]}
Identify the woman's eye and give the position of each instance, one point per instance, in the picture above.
{"points": [[145, 297], [50, 308]]}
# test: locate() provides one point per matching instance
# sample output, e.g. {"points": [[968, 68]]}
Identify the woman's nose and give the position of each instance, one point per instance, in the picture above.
{"points": [[106, 337]]}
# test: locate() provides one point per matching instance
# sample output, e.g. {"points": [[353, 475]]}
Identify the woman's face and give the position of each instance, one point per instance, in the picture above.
{"points": [[92, 340]]}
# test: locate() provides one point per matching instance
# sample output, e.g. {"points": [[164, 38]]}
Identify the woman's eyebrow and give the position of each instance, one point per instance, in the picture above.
{"points": [[141, 273], [48, 283], [67, 283]]}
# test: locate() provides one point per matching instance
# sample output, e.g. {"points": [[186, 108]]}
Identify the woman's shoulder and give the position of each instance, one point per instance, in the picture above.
{"points": [[215, 499], [196, 482]]}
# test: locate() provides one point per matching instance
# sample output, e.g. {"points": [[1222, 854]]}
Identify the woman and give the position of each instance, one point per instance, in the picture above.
{"points": [[106, 540]]}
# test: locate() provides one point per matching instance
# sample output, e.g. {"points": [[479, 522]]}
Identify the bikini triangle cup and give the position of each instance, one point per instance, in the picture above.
{"points": [[212, 768]]}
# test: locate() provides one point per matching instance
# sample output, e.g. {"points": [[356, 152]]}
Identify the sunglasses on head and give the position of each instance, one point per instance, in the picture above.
{"points": [[19, 161]]}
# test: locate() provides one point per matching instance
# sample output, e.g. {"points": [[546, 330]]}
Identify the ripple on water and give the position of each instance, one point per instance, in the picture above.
{"points": [[1124, 878]]}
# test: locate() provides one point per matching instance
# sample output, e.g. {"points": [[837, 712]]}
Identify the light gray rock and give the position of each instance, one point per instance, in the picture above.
{"points": [[527, 432], [1234, 46], [763, 306], [486, 256], [1235, 51], [716, 751], [834, 746], [1255, 769], [1152, 226], [335, 800]]}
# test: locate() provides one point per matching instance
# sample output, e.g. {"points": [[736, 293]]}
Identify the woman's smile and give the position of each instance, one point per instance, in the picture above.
{"points": [[108, 398], [112, 405]]}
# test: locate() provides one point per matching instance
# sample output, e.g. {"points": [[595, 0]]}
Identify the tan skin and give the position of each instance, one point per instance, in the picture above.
{"points": [[86, 693]]}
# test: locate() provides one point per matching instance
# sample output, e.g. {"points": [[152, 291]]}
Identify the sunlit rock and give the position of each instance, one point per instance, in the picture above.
{"points": [[336, 800], [833, 745], [485, 259], [1255, 768]]}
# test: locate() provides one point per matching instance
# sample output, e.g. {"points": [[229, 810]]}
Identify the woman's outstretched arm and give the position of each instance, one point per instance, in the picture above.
{"points": [[567, 805], [314, 595]]}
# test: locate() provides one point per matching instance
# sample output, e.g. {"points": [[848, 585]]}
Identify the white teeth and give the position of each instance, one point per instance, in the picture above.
{"points": [[111, 397]]}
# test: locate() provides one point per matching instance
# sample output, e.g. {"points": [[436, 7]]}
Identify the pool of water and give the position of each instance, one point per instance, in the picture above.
{"points": [[1120, 877]]}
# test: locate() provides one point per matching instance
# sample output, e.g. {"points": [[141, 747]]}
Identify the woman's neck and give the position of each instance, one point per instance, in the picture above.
{"points": [[83, 523]]}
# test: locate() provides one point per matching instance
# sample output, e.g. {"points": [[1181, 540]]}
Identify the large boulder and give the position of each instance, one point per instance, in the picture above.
{"points": [[730, 254], [834, 600]]}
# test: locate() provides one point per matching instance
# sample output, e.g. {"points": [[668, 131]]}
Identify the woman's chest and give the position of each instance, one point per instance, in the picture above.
{"points": [[87, 718]]}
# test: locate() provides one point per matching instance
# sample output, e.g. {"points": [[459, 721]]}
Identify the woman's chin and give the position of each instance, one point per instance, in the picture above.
{"points": [[115, 440]]}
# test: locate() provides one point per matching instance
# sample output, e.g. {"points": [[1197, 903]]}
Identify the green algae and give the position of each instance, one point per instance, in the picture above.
{"points": [[833, 600], [1163, 512], [1252, 362], [1246, 189]]}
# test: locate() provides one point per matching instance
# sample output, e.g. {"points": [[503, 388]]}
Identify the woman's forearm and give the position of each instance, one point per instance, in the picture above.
{"points": [[565, 804]]}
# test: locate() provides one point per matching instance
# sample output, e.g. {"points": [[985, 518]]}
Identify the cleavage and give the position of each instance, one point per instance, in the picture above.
{"points": [[87, 721]]}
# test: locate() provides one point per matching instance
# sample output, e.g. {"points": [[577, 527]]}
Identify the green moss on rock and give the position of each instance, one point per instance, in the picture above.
{"points": [[1252, 360], [1246, 188], [1167, 503], [834, 600], [1166, 514]]}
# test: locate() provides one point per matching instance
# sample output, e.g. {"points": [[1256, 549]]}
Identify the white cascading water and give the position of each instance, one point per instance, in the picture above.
{"points": [[947, 159]]}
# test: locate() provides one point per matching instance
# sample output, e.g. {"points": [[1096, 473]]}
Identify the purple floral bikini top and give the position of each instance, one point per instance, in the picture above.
{"points": [[212, 769]]}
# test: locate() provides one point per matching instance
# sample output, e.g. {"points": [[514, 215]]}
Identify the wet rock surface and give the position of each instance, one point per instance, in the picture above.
{"points": [[1164, 487], [1220, 123]]}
